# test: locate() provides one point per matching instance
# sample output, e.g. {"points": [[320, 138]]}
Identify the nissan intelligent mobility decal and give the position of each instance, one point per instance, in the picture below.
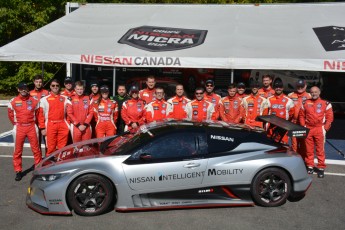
{"points": [[156, 39], [332, 38]]}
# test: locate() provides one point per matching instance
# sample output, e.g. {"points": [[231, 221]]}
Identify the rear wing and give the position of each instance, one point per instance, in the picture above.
{"points": [[283, 126]]}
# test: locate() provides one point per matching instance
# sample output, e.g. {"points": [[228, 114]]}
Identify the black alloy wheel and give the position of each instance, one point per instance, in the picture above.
{"points": [[271, 187], [90, 195]]}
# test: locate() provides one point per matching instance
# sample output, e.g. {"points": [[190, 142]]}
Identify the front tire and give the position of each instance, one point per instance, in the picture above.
{"points": [[90, 195], [271, 187]]}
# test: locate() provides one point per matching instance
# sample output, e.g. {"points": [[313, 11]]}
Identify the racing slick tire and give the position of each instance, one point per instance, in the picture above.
{"points": [[90, 195], [271, 187]]}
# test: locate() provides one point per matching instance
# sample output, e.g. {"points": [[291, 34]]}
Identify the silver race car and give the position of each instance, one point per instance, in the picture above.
{"points": [[171, 165]]}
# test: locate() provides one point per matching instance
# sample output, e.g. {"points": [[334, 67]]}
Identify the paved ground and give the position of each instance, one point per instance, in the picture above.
{"points": [[322, 208]]}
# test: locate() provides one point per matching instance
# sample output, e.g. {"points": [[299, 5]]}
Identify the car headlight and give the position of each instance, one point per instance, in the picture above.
{"points": [[48, 177]]}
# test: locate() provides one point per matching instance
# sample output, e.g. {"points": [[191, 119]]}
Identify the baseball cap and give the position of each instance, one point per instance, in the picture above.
{"points": [[209, 81], [254, 84], [104, 88], [93, 84], [278, 84], [133, 89], [300, 83], [68, 79], [241, 85], [22, 85]]}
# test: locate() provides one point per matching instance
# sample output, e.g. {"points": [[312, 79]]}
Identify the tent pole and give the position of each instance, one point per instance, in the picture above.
{"points": [[114, 80]]}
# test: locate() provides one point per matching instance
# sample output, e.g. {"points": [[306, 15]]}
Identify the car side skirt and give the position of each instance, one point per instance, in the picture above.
{"points": [[206, 197]]}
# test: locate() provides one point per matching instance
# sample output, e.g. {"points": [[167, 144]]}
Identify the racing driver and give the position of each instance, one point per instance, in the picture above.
{"points": [[22, 114]]}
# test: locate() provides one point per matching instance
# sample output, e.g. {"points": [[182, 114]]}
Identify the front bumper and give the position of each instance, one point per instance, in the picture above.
{"points": [[47, 198]]}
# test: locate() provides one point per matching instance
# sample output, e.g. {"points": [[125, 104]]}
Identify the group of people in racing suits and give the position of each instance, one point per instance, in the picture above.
{"points": [[57, 114]]}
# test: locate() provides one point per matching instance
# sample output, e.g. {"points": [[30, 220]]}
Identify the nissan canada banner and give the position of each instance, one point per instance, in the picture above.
{"points": [[157, 39]]}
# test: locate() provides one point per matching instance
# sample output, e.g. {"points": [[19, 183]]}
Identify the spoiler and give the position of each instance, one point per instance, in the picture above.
{"points": [[283, 126]]}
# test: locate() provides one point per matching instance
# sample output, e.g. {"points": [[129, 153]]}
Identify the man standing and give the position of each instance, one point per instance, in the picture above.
{"points": [[133, 110], [178, 103], [241, 89], [95, 95], [38, 92], [158, 109], [148, 94], [212, 97], [69, 91], [120, 98], [230, 109], [53, 118], [317, 115], [22, 112], [80, 114], [298, 97], [200, 109], [254, 105], [266, 91], [281, 106]]}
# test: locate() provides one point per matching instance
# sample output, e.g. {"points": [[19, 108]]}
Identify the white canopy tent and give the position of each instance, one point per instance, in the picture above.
{"points": [[274, 36]]}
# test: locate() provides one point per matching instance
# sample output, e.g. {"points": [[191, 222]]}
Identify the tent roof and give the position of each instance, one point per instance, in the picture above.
{"points": [[273, 36]]}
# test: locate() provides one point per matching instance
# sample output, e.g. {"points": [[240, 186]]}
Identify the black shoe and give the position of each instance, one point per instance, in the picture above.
{"points": [[320, 173], [18, 176], [310, 170]]}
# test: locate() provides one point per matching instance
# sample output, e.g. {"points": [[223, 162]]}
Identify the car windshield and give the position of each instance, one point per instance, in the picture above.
{"points": [[122, 145]]}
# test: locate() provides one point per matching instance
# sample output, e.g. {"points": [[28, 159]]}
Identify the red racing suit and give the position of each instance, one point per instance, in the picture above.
{"points": [[80, 112], [283, 107], [93, 100], [133, 112], [230, 109], [105, 114], [157, 110], [178, 111], [298, 144], [68, 94], [214, 99], [22, 114], [266, 93], [94, 97], [253, 106], [241, 96], [317, 115], [38, 94], [200, 111], [53, 118], [148, 95]]}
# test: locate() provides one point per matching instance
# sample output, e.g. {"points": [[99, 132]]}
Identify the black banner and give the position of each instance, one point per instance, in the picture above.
{"points": [[332, 38], [156, 39]]}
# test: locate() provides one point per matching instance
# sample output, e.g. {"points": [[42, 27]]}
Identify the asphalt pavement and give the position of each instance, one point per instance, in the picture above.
{"points": [[322, 208]]}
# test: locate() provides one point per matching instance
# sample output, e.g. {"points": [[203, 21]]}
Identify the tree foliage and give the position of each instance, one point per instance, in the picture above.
{"points": [[20, 17]]}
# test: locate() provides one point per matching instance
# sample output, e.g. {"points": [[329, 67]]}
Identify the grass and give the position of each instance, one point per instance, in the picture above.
{"points": [[6, 97]]}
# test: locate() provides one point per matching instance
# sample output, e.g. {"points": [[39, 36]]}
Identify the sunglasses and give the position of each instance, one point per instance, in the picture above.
{"points": [[209, 85], [54, 85], [198, 93]]}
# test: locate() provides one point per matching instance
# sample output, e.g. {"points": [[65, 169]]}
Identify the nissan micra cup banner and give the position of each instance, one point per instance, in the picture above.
{"points": [[157, 39]]}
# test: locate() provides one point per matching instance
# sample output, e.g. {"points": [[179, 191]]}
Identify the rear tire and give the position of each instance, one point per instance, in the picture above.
{"points": [[271, 187], [90, 195]]}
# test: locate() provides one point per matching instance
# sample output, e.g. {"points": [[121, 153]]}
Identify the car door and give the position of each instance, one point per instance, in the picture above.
{"points": [[171, 161]]}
